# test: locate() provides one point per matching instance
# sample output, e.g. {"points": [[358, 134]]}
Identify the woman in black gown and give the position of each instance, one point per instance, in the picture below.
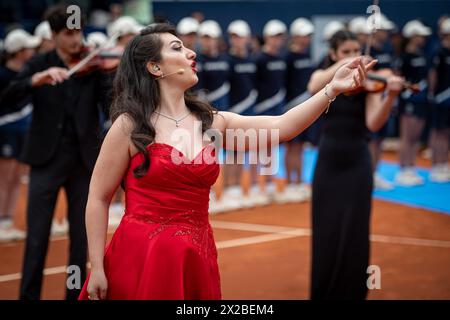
{"points": [[342, 185]]}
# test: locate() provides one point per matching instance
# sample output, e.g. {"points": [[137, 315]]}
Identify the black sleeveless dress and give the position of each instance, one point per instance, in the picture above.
{"points": [[341, 203]]}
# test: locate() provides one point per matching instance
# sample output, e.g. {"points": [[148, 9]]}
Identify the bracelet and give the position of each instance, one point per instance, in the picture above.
{"points": [[330, 100]]}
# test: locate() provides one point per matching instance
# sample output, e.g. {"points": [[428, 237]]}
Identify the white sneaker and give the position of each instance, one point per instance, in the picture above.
{"points": [[304, 191], [440, 174], [258, 197], [282, 197], [6, 223], [232, 198], [25, 179], [116, 212], [231, 204], [427, 154], [380, 183], [247, 202], [445, 167], [408, 177], [11, 234], [59, 228]]}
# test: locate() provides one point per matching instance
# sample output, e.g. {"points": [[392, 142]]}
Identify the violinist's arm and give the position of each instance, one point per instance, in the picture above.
{"points": [[378, 107], [53, 76]]}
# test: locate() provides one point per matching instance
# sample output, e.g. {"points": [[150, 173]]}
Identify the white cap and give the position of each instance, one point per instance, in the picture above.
{"points": [[43, 31], [445, 26], [96, 39], [415, 28], [187, 25], [379, 21], [123, 26], [274, 27], [331, 28], [359, 25], [385, 23], [239, 28], [19, 39], [209, 28], [301, 27]]}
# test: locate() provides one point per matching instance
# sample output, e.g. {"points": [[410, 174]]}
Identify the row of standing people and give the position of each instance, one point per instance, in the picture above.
{"points": [[272, 80]]}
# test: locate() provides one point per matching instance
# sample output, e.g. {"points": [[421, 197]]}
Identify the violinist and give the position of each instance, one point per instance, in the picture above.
{"points": [[342, 183], [61, 147]]}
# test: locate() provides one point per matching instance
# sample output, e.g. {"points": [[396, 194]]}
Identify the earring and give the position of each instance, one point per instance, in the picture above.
{"points": [[155, 68]]}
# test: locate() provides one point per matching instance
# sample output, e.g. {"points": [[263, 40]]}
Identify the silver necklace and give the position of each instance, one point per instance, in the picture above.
{"points": [[177, 121]]}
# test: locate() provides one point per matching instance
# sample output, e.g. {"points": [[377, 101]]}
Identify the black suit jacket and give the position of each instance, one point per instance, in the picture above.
{"points": [[78, 98]]}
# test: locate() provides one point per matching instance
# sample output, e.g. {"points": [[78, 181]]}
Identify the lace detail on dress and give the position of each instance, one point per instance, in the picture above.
{"points": [[192, 224]]}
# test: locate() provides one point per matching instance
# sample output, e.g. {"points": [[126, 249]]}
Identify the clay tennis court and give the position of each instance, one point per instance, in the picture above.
{"points": [[264, 253]]}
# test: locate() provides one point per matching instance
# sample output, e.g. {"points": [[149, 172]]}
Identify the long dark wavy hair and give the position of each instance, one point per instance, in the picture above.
{"points": [[136, 92]]}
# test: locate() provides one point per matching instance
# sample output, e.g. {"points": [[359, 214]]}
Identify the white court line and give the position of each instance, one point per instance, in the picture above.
{"points": [[263, 238], [307, 232], [47, 271], [249, 226], [410, 241], [274, 233]]}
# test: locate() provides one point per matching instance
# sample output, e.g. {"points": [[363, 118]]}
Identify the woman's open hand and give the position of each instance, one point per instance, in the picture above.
{"points": [[352, 74]]}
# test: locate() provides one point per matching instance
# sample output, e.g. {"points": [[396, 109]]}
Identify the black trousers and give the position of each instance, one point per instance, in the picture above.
{"points": [[68, 171]]}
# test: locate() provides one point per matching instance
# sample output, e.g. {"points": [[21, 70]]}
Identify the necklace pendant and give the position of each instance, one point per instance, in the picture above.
{"points": [[176, 123]]}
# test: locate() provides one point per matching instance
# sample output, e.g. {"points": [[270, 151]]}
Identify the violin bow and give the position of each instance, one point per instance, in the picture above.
{"points": [[91, 55], [373, 28]]}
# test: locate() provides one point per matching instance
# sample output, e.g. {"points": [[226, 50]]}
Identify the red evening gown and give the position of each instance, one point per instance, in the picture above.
{"points": [[164, 246]]}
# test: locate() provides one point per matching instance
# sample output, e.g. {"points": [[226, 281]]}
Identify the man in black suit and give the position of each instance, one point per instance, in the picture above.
{"points": [[61, 147]]}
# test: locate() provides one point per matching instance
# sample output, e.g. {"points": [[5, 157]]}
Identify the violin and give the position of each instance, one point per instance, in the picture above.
{"points": [[89, 59], [376, 81]]}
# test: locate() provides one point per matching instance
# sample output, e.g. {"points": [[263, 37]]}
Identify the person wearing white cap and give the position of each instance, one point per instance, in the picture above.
{"points": [[61, 146], [213, 66], [327, 33], [414, 108], [381, 50], [214, 86], [126, 28], [270, 83], [44, 33], [360, 27], [331, 28], [96, 39], [20, 47], [440, 120], [242, 98], [20, 42], [271, 70], [299, 69], [187, 31]]}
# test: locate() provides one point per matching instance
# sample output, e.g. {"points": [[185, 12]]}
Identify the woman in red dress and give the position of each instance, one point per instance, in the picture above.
{"points": [[164, 246]]}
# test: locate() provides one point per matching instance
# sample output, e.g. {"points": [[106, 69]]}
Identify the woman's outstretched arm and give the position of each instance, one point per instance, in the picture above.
{"points": [[290, 124]]}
